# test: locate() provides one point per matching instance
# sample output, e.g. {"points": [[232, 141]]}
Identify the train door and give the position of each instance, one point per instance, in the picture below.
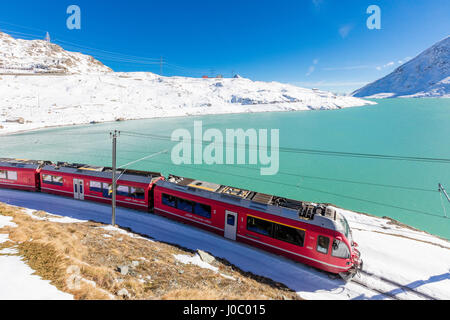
{"points": [[78, 189], [231, 220]]}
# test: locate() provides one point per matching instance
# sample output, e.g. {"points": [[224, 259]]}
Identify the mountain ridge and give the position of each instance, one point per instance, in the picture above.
{"points": [[77, 89], [426, 75], [18, 56]]}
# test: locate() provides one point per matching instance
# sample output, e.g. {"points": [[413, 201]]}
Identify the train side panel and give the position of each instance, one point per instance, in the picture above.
{"points": [[214, 223], [132, 195], [18, 178], [305, 250]]}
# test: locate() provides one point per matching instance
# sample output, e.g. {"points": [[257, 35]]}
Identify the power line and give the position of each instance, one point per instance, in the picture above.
{"points": [[118, 54], [144, 158], [291, 174], [266, 181], [312, 151], [111, 56], [255, 169], [443, 191], [20, 26], [307, 188], [104, 55], [192, 70]]}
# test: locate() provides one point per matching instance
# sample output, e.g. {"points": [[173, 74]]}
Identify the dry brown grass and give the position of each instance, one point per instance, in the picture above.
{"points": [[74, 256]]}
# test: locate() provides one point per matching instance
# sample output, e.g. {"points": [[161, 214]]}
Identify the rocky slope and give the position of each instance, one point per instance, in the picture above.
{"points": [[19, 56], [427, 75], [44, 85]]}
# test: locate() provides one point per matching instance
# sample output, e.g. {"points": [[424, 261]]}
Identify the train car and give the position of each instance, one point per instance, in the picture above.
{"points": [[20, 174], [84, 182], [313, 234]]}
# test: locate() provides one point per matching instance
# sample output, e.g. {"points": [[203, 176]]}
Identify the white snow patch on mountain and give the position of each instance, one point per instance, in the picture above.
{"points": [[42, 85], [427, 75], [32, 102], [19, 56]]}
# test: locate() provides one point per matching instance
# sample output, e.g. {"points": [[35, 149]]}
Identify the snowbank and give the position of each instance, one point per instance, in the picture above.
{"points": [[16, 277], [411, 258], [32, 102], [18, 56], [427, 75]]}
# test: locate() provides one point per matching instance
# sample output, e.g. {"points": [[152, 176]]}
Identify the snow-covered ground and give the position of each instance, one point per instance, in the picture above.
{"points": [[38, 101], [427, 75], [44, 85], [401, 255], [39, 56], [16, 277]]}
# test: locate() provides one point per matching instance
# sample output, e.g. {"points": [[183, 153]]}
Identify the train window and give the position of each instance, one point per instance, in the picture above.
{"points": [[137, 193], [58, 180], [288, 234], [185, 205], [49, 179], [259, 226], [12, 175], [107, 190], [123, 191], [340, 250], [8, 175], [231, 220], [202, 210], [95, 186], [170, 201], [322, 244], [345, 225]]}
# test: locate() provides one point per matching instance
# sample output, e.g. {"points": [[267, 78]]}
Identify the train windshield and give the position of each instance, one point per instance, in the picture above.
{"points": [[345, 227]]}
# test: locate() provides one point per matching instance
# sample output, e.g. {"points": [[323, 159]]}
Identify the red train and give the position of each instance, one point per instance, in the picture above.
{"points": [[314, 234]]}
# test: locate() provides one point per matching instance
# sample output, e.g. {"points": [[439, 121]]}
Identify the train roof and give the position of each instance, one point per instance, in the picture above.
{"points": [[22, 163], [307, 212], [103, 172]]}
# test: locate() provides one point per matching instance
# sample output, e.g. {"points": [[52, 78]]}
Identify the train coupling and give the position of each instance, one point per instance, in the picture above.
{"points": [[356, 267]]}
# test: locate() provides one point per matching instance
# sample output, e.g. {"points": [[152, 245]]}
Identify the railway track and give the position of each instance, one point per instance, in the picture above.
{"points": [[395, 287]]}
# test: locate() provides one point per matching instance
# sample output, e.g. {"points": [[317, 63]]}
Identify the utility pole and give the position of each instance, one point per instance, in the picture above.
{"points": [[114, 136]]}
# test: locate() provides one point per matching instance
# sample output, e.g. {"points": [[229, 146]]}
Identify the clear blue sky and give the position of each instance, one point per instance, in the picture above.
{"points": [[311, 43]]}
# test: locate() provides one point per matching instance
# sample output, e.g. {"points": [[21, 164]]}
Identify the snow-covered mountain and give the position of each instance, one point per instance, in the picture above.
{"points": [[53, 100], [19, 56], [78, 89], [427, 75]]}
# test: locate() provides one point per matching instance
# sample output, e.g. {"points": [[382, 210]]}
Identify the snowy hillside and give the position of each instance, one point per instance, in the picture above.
{"points": [[30, 102], [399, 262], [427, 75], [66, 88], [37, 56]]}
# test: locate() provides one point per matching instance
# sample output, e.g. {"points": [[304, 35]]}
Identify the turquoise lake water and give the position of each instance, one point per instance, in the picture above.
{"points": [[403, 190]]}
